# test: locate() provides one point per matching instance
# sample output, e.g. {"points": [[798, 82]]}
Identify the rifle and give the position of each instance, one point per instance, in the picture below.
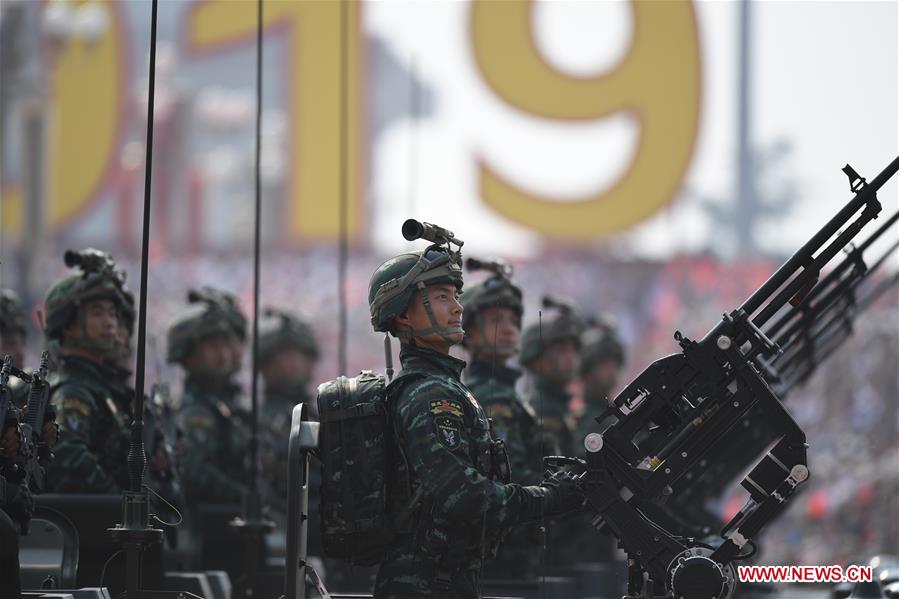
{"points": [[34, 452], [7, 410], [684, 410]]}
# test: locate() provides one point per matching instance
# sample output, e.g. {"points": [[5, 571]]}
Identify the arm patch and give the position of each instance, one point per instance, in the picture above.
{"points": [[446, 407], [448, 431], [76, 414]]}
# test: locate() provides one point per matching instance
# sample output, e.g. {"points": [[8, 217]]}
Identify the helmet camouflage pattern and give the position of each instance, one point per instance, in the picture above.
{"points": [[208, 314], [495, 291], [226, 303], [537, 337], [395, 282], [599, 345], [279, 330]]}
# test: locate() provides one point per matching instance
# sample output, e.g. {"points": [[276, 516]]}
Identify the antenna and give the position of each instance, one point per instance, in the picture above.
{"points": [[251, 526], [135, 533]]}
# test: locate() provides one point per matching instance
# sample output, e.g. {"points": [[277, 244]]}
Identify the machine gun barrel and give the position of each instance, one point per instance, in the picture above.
{"points": [[845, 289], [852, 259], [803, 267]]}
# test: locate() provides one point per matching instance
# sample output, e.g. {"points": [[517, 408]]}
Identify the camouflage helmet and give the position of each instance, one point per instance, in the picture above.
{"points": [[100, 279], [197, 322], [11, 319], [535, 338], [498, 290], [280, 330], [395, 282], [227, 303], [599, 345]]}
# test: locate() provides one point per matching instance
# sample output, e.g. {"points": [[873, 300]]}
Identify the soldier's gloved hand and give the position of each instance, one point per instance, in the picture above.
{"points": [[18, 502], [563, 494]]}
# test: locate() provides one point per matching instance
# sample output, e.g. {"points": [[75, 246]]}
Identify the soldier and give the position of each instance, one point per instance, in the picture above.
{"points": [[492, 322], [84, 313], [231, 312], [448, 495], [549, 353], [203, 341], [288, 353], [12, 342], [16, 506], [602, 359], [12, 328]]}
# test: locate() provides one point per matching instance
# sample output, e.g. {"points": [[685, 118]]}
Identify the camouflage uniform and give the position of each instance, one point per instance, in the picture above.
{"points": [[513, 421], [213, 466], [444, 435], [548, 397], [93, 408], [550, 401], [448, 495]]}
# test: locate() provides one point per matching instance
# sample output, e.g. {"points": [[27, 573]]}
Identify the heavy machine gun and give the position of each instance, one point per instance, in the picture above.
{"points": [[807, 334], [685, 410]]}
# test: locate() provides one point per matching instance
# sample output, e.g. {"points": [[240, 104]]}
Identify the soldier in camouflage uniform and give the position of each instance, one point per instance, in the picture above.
{"points": [[549, 353], [12, 342], [288, 353], [602, 357], [492, 322], [203, 341], [16, 506], [448, 495], [12, 327], [84, 314]]}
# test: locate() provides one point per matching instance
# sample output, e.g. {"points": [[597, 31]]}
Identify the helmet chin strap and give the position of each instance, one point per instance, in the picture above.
{"points": [[444, 332]]}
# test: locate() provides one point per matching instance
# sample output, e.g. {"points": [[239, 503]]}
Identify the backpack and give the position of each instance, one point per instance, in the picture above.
{"points": [[357, 451]]}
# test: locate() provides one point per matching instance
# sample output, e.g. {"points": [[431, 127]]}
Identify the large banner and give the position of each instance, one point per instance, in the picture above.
{"points": [[326, 89]]}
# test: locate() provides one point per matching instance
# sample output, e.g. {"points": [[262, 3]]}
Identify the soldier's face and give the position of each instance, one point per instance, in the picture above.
{"points": [[559, 361], [603, 377], [288, 368], [100, 323], [444, 299], [13, 345], [496, 333], [214, 355]]}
